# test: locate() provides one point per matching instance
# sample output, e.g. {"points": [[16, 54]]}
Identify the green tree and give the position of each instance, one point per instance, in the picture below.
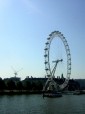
{"points": [[27, 85], [19, 85], [2, 84], [11, 85]]}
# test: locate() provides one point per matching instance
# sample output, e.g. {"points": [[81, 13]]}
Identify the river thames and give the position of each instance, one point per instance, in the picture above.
{"points": [[35, 104]]}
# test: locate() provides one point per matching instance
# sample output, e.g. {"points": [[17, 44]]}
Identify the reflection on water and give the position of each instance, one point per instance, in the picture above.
{"points": [[35, 104]]}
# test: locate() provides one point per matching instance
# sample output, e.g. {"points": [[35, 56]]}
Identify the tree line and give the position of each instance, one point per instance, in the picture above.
{"points": [[31, 84], [27, 84]]}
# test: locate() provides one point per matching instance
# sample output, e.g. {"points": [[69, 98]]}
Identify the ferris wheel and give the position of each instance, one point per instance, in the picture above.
{"points": [[50, 72]]}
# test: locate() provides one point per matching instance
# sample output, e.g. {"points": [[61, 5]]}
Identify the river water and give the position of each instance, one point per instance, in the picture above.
{"points": [[35, 104]]}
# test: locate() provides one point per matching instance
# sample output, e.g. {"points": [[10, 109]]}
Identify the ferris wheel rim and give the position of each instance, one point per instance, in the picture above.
{"points": [[67, 49]]}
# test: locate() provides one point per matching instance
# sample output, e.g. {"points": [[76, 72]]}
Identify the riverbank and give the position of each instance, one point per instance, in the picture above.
{"points": [[17, 92]]}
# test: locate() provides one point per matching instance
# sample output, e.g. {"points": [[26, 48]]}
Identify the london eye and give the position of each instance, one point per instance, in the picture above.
{"points": [[50, 71]]}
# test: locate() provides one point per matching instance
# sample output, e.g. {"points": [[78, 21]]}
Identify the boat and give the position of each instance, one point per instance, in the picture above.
{"points": [[52, 94], [68, 92], [79, 92]]}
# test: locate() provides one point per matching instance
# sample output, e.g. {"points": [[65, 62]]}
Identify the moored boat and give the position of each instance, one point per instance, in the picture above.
{"points": [[52, 94]]}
